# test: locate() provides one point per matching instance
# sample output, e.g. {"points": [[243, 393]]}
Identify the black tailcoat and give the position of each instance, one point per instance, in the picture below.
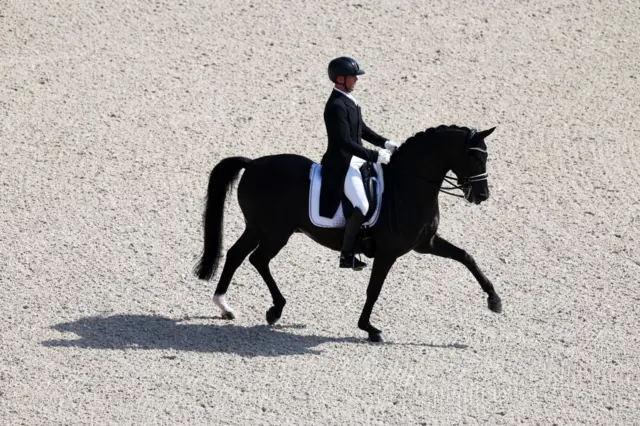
{"points": [[345, 132]]}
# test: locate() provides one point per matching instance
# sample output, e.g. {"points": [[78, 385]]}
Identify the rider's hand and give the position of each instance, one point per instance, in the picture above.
{"points": [[383, 156], [391, 146]]}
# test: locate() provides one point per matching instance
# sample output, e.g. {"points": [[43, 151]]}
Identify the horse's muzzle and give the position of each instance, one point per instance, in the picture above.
{"points": [[475, 196], [480, 197]]}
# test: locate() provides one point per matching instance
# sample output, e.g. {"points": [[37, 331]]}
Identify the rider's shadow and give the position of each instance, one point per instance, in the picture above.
{"points": [[156, 332]]}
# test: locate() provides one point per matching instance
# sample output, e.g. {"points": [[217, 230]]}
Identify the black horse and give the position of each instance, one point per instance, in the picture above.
{"points": [[273, 194]]}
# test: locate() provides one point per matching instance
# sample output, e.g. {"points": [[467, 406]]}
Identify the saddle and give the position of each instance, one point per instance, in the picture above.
{"points": [[373, 180]]}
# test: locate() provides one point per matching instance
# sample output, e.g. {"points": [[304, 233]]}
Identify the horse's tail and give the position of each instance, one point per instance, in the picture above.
{"points": [[222, 177]]}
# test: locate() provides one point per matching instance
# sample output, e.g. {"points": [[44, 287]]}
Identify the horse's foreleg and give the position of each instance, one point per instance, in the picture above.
{"points": [[267, 250], [438, 246], [247, 242], [381, 267]]}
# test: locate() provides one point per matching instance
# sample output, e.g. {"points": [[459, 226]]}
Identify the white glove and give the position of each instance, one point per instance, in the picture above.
{"points": [[391, 146], [383, 157]]}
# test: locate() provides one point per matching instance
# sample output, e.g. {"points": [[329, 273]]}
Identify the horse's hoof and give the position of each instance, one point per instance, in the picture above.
{"points": [[495, 304], [228, 316], [272, 318], [376, 337]]}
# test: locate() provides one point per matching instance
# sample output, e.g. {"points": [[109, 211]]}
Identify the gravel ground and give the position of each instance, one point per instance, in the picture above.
{"points": [[113, 114]]}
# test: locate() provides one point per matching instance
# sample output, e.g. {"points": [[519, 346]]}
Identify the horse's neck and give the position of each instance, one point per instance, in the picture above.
{"points": [[421, 193], [418, 189], [425, 177]]}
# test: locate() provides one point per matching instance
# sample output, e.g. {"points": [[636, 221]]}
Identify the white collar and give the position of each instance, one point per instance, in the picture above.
{"points": [[347, 95]]}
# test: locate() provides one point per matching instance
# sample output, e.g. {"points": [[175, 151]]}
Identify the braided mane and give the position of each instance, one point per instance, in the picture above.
{"points": [[429, 135]]}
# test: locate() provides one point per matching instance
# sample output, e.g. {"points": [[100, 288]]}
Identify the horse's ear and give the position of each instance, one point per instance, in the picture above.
{"points": [[483, 134]]}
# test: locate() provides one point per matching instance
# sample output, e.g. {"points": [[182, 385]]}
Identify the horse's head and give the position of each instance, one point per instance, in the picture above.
{"points": [[429, 155], [471, 167]]}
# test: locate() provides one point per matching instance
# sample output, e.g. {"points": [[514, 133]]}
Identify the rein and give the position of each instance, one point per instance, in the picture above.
{"points": [[470, 179]]}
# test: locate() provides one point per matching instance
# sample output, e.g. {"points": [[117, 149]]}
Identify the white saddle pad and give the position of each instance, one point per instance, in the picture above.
{"points": [[337, 221]]}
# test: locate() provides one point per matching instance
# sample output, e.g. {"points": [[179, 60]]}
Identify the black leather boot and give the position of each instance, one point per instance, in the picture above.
{"points": [[347, 258]]}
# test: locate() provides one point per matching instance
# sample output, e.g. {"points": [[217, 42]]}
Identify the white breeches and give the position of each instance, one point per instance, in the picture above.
{"points": [[353, 186]]}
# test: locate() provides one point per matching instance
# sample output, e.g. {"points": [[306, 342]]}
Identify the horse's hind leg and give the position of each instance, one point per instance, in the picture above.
{"points": [[247, 242], [438, 246], [268, 249]]}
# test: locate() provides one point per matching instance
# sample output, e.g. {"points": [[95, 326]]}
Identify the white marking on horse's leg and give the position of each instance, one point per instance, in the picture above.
{"points": [[221, 302]]}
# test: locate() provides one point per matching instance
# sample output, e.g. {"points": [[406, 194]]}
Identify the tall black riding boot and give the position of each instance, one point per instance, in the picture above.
{"points": [[347, 258]]}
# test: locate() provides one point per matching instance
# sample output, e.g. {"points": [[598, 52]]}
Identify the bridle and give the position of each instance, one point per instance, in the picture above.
{"points": [[464, 183]]}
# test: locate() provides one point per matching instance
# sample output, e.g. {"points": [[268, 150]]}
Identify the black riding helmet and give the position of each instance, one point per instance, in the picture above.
{"points": [[343, 66]]}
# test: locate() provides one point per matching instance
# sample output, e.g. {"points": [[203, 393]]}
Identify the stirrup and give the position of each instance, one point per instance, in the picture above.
{"points": [[349, 260]]}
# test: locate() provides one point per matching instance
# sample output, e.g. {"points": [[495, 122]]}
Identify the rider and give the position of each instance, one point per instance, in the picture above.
{"points": [[346, 153]]}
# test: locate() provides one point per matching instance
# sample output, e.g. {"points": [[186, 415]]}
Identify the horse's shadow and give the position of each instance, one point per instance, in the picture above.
{"points": [[157, 332]]}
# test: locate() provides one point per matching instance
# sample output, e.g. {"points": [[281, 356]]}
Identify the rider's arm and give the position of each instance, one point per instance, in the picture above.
{"points": [[372, 137], [339, 131]]}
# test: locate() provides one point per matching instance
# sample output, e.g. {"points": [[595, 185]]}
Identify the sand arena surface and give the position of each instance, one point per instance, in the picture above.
{"points": [[113, 114]]}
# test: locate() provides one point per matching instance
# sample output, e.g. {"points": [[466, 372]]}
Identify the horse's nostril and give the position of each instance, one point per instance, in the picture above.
{"points": [[482, 196]]}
